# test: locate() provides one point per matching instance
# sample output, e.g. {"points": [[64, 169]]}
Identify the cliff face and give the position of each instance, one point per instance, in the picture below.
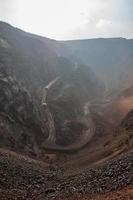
{"points": [[21, 128]]}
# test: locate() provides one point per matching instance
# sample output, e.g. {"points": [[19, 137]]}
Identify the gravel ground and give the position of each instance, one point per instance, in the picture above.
{"points": [[18, 182]]}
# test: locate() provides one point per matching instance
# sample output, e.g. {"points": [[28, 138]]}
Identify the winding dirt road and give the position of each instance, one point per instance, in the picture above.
{"points": [[83, 140]]}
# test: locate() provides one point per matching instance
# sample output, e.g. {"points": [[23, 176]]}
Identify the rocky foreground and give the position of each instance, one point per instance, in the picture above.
{"points": [[28, 180], [122, 194]]}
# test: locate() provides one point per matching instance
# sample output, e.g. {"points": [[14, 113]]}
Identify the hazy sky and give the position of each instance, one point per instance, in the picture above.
{"points": [[70, 19]]}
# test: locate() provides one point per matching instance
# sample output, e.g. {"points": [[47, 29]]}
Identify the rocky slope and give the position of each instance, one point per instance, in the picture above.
{"points": [[126, 128], [21, 126], [21, 180], [115, 106], [127, 122]]}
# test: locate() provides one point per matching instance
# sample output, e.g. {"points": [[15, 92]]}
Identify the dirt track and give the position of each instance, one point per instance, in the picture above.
{"points": [[81, 142]]}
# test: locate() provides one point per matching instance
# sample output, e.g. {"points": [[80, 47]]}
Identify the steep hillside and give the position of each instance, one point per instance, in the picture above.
{"points": [[21, 127], [34, 60]]}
